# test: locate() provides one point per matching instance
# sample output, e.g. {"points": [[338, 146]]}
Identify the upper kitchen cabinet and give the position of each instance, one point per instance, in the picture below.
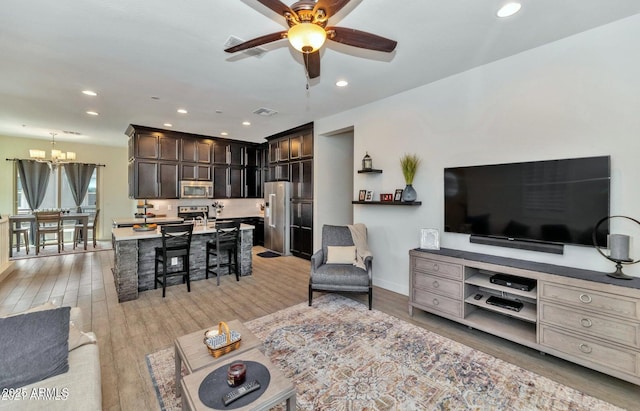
{"points": [[196, 150], [154, 146], [227, 152], [301, 146], [153, 179], [160, 159]]}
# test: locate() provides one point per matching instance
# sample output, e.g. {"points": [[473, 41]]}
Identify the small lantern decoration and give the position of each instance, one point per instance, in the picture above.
{"points": [[367, 163]]}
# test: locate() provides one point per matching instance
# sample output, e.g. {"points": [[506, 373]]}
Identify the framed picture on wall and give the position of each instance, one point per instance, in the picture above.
{"points": [[362, 195], [369, 196]]}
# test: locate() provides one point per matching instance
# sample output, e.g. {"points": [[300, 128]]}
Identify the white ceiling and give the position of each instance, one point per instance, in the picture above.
{"points": [[130, 51]]}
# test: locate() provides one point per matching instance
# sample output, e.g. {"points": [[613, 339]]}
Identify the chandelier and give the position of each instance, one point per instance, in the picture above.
{"points": [[57, 156]]}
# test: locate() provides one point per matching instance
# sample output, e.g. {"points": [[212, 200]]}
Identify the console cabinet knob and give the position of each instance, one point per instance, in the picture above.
{"points": [[585, 298], [585, 348], [586, 323]]}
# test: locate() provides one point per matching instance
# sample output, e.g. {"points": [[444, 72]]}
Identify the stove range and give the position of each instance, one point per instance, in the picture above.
{"points": [[192, 212]]}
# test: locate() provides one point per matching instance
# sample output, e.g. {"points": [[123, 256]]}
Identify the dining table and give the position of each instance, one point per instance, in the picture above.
{"points": [[82, 218]]}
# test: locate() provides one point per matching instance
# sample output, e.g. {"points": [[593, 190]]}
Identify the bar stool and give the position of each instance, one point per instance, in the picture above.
{"points": [[18, 230], [176, 242], [227, 238]]}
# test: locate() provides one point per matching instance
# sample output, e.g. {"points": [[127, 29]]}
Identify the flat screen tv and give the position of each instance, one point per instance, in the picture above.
{"points": [[554, 201]]}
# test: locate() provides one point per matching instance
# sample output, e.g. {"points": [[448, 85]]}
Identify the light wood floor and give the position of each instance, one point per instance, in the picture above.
{"points": [[127, 332]]}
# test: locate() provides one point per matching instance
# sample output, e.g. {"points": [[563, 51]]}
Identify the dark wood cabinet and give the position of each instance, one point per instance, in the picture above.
{"points": [[301, 146], [196, 150], [189, 171], [253, 182], [302, 179], [290, 158], [168, 180], [170, 155], [302, 229], [153, 179]]}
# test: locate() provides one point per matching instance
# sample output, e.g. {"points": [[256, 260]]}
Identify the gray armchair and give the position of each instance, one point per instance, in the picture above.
{"points": [[338, 277]]}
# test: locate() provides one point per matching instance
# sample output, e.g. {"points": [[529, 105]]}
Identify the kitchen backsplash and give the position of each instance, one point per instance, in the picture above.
{"points": [[235, 207]]}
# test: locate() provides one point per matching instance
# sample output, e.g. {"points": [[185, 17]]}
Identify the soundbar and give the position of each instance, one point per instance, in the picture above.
{"points": [[512, 281], [504, 303]]}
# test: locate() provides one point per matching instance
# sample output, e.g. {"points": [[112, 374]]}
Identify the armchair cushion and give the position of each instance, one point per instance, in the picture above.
{"points": [[337, 277], [341, 254]]}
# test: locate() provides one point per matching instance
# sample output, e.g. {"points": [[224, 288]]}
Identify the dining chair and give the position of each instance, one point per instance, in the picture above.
{"points": [[48, 222], [92, 226], [21, 231]]}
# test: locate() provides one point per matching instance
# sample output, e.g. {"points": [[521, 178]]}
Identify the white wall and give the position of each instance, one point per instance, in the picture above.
{"points": [[573, 98], [332, 195]]}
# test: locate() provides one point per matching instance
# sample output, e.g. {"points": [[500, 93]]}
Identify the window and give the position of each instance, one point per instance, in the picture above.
{"points": [[59, 193]]}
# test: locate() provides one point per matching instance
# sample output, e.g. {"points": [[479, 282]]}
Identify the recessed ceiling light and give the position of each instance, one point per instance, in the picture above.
{"points": [[92, 113], [168, 125], [342, 83], [246, 123], [509, 9], [224, 133], [182, 111], [89, 93]]}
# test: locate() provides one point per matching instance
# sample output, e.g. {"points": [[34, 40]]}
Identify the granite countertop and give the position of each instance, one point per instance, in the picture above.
{"points": [[127, 233]]}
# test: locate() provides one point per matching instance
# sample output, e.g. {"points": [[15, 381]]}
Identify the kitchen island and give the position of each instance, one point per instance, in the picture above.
{"points": [[134, 253]]}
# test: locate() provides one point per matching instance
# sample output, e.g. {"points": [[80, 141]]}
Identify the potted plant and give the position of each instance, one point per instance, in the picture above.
{"points": [[409, 164]]}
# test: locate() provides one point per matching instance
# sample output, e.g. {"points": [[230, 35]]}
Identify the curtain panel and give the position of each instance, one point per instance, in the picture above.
{"points": [[79, 176], [34, 176]]}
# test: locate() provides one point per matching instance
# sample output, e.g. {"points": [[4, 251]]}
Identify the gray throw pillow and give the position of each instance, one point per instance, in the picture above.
{"points": [[33, 347]]}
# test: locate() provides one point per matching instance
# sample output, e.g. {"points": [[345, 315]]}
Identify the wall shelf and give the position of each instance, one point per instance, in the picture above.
{"points": [[373, 171], [400, 203]]}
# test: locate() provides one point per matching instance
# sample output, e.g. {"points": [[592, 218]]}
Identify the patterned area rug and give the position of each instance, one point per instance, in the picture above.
{"points": [[342, 357]]}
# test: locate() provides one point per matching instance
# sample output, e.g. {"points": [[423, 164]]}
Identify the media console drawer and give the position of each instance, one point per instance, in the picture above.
{"points": [[607, 328], [438, 303], [619, 359], [438, 285], [453, 271], [615, 305]]}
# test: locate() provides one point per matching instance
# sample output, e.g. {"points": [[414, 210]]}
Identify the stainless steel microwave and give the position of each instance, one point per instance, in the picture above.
{"points": [[196, 189]]}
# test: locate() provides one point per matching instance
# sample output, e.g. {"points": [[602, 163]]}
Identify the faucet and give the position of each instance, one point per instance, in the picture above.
{"points": [[201, 219]]}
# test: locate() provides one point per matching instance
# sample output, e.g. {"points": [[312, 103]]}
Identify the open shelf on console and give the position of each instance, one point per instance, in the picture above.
{"points": [[522, 332], [482, 280], [527, 313]]}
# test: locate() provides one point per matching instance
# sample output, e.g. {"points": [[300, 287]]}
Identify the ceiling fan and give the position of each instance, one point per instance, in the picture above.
{"points": [[307, 20]]}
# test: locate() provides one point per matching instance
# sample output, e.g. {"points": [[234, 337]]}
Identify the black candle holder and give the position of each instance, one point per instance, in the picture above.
{"points": [[619, 262]]}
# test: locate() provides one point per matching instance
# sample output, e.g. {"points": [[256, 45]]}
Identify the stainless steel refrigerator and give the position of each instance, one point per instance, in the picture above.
{"points": [[277, 216]]}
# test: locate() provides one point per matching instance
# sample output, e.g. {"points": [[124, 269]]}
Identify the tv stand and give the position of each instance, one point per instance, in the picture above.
{"points": [[579, 315]]}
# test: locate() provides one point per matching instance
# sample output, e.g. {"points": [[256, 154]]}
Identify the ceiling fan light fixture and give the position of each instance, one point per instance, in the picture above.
{"points": [[509, 9], [307, 37]]}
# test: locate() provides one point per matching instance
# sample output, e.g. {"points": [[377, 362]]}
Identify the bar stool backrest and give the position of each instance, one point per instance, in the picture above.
{"points": [[176, 237], [227, 234]]}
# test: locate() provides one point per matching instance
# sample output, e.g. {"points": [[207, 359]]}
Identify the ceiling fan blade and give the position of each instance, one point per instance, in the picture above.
{"points": [[277, 6], [362, 39], [258, 41], [331, 7], [312, 64]]}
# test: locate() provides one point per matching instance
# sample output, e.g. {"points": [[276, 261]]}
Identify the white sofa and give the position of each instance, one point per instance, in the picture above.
{"points": [[77, 389]]}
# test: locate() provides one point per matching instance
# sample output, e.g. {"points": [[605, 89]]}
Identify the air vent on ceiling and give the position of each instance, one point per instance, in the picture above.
{"points": [[255, 51], [263, 111], [75, 133]]}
